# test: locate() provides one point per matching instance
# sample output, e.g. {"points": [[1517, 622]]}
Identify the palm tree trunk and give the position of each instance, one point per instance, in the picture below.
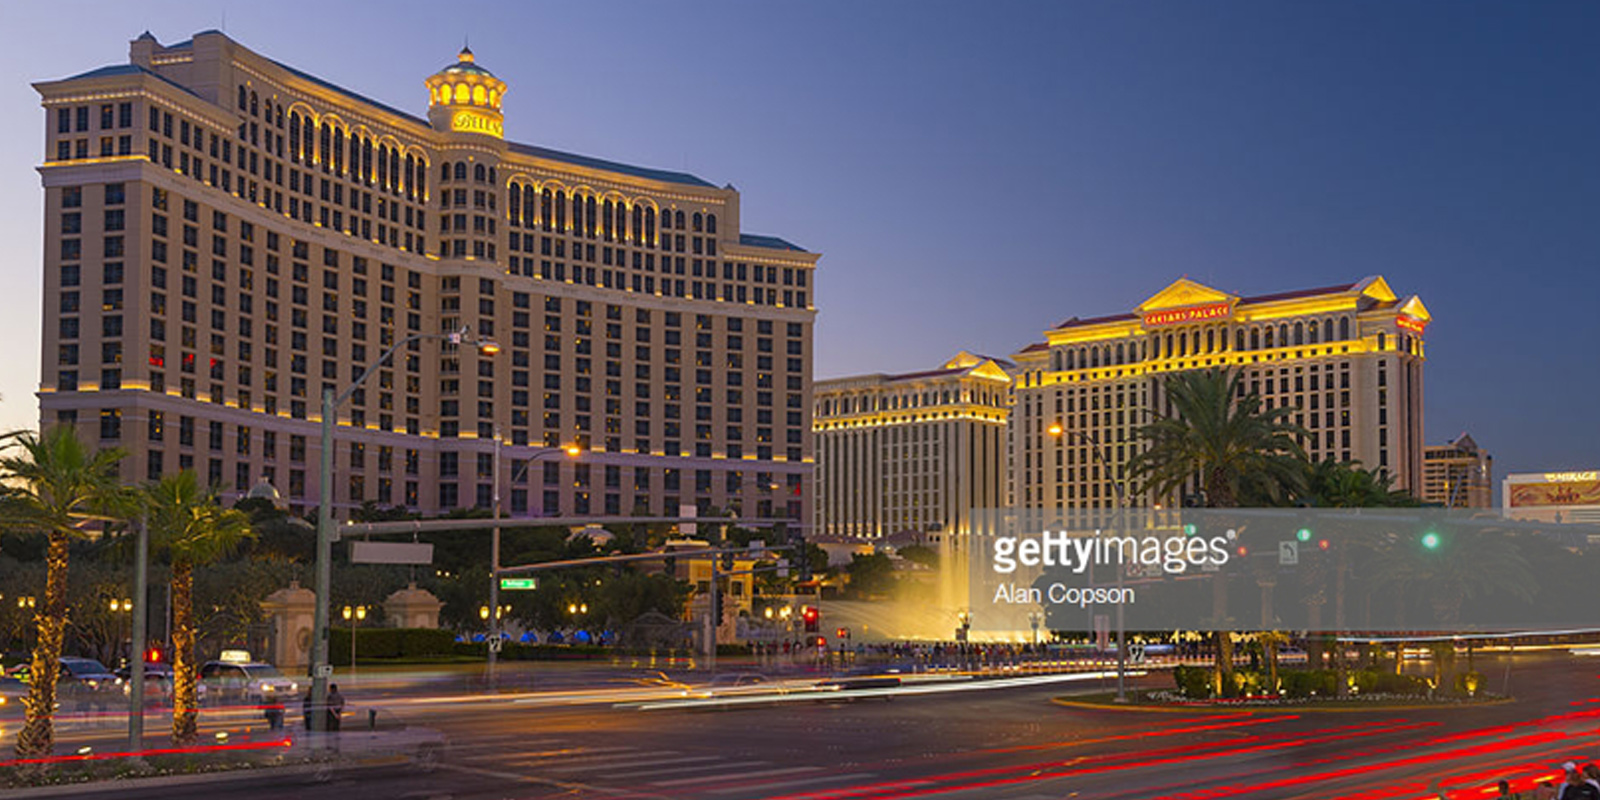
{"points": [[185, 708], [37, 737]]}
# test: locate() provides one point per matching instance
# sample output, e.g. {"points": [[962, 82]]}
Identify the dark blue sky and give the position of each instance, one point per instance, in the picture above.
{"points": [[974, 173]]}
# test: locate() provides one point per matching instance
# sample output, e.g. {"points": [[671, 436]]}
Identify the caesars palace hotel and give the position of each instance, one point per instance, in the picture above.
{"points": [[226, 235], [1055, 425]]}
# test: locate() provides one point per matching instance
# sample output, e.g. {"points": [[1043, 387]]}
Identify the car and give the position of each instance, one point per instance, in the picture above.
{"points": [[862, 678], [158, 683], [246, 682], [12, 693], [730, 684]]}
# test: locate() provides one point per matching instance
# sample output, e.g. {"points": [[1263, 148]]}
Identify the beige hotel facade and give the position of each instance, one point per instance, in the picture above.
{"points": [[226, 235], [1348, 358], [912, 452]]}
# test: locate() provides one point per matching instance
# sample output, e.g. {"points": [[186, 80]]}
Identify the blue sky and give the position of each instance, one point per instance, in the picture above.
{"points": [[974, 173]]}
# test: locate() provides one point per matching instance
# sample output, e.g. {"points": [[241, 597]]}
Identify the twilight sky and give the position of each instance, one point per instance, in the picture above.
{"points": [[973, 173]]}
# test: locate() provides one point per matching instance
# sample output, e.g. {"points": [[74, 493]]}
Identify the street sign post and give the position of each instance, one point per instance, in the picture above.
{"points": [[1288, 554]]}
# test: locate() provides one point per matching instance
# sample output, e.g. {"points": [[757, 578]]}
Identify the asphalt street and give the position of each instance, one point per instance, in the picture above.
{"points": [[1007, 743]]}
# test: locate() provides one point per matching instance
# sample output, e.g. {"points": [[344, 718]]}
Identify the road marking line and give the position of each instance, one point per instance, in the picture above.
{"points": [[632, 764], [520, 778], [766, 787], [574, 755], [745, 775], [708, 778]]}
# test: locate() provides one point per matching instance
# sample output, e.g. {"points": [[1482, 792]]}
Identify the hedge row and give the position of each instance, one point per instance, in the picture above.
{"points": [[389, 643]]}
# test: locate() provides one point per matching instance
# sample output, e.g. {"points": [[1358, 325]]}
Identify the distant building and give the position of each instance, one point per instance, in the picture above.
{"points": [[914, 452], [1458, 475], [1348, 359], [1552, 496]]}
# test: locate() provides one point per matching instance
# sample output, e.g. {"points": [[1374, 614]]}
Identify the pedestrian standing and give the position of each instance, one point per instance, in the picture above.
{"points": [[336, 708]]}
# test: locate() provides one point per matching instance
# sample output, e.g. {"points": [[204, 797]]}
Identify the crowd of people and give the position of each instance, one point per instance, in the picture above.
{"points": [[1577, 783]]}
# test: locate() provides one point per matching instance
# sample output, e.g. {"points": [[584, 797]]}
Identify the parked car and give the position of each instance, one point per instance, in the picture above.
{"points": [[12, 692], [251, 682]]}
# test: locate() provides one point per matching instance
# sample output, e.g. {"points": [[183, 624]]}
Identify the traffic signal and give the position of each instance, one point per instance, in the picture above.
{"points": [[152, 655], [1430, 541], [1304, 534], [812, 617], [716, 610], [843, 633]]}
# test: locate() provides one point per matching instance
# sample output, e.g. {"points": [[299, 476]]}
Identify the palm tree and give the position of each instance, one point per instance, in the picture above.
{"points": [[1272, 642], [1345, 484], [58, 487], [187, 523], [1222, 440]]}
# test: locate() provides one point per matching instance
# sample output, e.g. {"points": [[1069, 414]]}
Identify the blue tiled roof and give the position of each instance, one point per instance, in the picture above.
{"points": [[128, 69], [769, 242], [666, 176]]}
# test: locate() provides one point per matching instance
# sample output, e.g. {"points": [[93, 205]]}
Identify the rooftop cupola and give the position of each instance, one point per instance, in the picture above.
{"points": [[466, 98]]}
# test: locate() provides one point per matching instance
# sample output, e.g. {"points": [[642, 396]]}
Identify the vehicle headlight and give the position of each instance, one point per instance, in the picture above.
{"points": [[268, 687], [294, 687]]}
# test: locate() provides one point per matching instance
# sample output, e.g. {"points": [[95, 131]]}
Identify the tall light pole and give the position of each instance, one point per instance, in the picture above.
{"points": [[321, 669], [494, 544], [1058, 431]]}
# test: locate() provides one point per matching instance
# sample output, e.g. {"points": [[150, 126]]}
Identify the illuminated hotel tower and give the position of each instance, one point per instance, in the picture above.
{"points": [[1348, 357], [913, 452], [226, 235]]}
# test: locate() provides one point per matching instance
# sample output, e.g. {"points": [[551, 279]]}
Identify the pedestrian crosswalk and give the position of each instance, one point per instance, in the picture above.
{"points": [[669, 773]]}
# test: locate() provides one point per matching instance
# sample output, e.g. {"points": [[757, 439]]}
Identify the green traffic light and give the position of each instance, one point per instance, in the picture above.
{"points": [[1188, 529], [1430, 540], [1304, 534]]}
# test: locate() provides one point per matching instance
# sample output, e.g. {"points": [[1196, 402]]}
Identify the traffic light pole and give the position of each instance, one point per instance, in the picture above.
{"points": [[711, 619]]}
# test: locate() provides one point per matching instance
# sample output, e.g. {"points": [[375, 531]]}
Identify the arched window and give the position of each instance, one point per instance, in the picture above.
{"points": [[1238, 339], [394, 170], [411, 177], [255, 107], [294, 137], [1311, 332], [1327, 330], [1055, 361], [1344, 328], [561, 211], [1299, 333], [530, 206], [366, 161], [547, 208], [1121, 354], [1283, 335], [492, 178], [241, 97], [699, 222], [622, 220], [1094, 357], [463, 94], [711, 223], [638, 220], [514, 206], [589, 223], [649, 226], [606, 220], [479, 174], [1211, 340], [1382, 340], [444, 172], [422, 179], [480, 95], [1255, 338], [677, 220], [461, 170]]}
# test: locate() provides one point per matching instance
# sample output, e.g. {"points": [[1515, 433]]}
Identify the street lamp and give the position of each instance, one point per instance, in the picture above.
{"points": [[354, 616], [571, 450], [321, 669]]}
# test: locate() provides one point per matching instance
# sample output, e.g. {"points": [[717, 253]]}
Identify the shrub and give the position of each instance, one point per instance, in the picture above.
{"points": [[1192, 682], [1302, 683], [1386, 682]]}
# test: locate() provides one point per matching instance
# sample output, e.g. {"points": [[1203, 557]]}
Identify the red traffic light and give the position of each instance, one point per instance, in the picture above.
{"points": [[810, 614], [1243, 551], [822, 641], [1323, 544], [152, 656]]}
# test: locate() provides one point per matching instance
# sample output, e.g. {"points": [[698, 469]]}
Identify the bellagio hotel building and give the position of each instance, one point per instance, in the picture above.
{"points": [[226, 236], [1347, 358]]}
